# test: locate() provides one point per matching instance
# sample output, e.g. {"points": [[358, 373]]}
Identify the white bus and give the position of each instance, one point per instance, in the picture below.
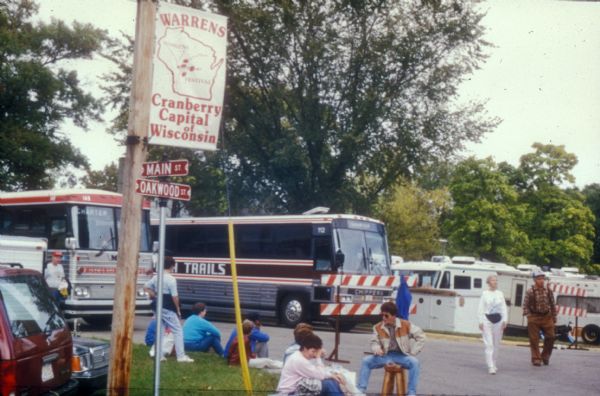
{"points": [[83, 224], [289, 267]]}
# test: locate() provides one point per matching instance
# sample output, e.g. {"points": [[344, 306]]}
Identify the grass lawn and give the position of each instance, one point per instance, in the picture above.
{"points": [[208, 375]]}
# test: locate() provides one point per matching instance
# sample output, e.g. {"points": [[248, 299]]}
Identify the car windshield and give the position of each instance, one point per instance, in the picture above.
{"points": [[29, 306]]}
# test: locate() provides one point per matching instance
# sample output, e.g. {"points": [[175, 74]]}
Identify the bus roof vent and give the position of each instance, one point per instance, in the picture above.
{"points": [[317, 210], [463, 260]]}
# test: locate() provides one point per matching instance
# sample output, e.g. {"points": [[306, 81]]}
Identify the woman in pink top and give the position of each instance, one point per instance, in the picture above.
{"points": [[305, 374]]}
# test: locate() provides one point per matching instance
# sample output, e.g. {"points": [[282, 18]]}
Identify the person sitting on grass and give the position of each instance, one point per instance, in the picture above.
{"points": [[233, 353], [199, 334], [305, 374], [301, 330], [253, 360], [258, 338]]}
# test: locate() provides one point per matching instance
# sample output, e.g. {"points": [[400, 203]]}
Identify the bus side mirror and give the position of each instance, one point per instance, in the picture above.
{"points": [[338, 259], [71, 243]]}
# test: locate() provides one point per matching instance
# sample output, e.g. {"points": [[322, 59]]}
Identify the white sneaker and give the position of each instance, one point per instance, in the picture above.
{"points": [[163, 359], [492, 370], [185, 359]]}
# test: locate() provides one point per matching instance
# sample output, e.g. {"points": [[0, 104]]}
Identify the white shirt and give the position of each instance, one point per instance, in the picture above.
{"points": [[54, 274], [169, 284], [492, 302], [297, 367]]}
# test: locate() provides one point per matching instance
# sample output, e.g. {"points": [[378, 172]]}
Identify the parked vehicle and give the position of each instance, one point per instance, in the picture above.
{"points": [[90, 364], [515, 285], [446, 293], [35, 341], [82, 224], [287, 265], [29, 252]]}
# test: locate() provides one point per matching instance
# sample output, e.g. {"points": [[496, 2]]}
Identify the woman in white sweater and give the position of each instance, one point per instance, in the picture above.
{"points": [[492, 321]]}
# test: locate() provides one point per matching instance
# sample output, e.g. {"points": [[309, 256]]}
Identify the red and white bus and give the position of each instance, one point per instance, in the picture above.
{"points": [[288, 266], [83, 224]]}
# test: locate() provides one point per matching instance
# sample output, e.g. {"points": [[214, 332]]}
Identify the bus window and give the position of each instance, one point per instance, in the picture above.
{"points": [[427, 278], [96, 227], [462, 282], [352, 244], [323, 250], [205, 241], [58, 233], [477, 282], [445, 282], [254, 241], [590, 304], [292, 241], [376, 253]]}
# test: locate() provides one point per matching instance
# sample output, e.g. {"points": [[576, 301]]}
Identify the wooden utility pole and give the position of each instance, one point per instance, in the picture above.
{"points": [[129, 237]]}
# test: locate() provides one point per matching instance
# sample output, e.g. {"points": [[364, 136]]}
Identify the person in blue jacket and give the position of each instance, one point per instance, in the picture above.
{"points": [[199, 334], [258, 339]]}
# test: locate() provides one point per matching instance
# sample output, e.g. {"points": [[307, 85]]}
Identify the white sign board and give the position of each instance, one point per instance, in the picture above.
{"points": [[188, 79]]}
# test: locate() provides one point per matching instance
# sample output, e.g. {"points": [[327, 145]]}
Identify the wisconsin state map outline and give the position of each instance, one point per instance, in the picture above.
{"points": [[193, 65]]}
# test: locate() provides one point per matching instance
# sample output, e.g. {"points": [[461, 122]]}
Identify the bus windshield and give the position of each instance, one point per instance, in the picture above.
{"points": [[94, 227], [97, 228], [364, 247]]}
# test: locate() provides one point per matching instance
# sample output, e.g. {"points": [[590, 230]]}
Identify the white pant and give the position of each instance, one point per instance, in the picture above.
{"points": [[265, 363], [491, 334], [171, 320]]}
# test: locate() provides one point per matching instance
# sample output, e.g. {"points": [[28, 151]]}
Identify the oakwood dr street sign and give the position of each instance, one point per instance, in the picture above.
{"points": [[160, 189]]}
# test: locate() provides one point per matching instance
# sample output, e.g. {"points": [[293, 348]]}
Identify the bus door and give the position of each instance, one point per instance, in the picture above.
{"points": [[515, 309]]}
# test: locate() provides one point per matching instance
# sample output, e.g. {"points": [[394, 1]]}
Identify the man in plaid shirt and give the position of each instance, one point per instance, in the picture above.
{"points": [[540, 309]]}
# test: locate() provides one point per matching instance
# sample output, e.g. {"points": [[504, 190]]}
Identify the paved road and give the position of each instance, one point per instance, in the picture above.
{"points": [[450, 365]]}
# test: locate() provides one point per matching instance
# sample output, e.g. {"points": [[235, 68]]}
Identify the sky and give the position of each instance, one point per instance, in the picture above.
{"points": [[542, 78]]}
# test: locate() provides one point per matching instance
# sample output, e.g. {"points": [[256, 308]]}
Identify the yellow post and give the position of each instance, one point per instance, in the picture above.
{"points": [[238, 313]]}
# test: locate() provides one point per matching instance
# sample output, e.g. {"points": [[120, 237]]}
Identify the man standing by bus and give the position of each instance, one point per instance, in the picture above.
{"points": [[171, 313], [55, 275], [540, 309]]}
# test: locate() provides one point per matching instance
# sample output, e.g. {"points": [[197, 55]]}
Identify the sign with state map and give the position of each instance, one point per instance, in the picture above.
{"points": [[189, 78]]}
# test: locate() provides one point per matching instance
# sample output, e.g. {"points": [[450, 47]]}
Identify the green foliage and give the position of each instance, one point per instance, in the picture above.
{"points": [[486, 216], [560, 226], [106, 179], [209, 374], [327, 103], [36, 95], [549, 165], [412, 215], [592, 199], [514, 214]]}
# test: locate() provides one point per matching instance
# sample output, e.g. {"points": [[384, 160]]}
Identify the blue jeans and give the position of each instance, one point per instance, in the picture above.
{"points": [[203, 345], [330, 387], [408, 362]]}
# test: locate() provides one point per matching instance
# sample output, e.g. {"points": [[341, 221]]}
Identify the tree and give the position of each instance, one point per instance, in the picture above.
{"points": [[328, 103], [36, 95], [561, 228], [486, 216], [411, 215], [106, 179], [592, 200]]}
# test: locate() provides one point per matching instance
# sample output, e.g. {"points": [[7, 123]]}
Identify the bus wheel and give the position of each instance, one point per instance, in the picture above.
{"points": [[591, 334], [293, 310]]}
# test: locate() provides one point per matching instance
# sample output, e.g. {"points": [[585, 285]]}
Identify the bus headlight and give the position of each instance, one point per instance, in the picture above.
{"points": [[81, 291]]}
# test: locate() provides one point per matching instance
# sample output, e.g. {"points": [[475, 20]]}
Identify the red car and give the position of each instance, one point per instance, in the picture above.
{"points": [[35, 341]]}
